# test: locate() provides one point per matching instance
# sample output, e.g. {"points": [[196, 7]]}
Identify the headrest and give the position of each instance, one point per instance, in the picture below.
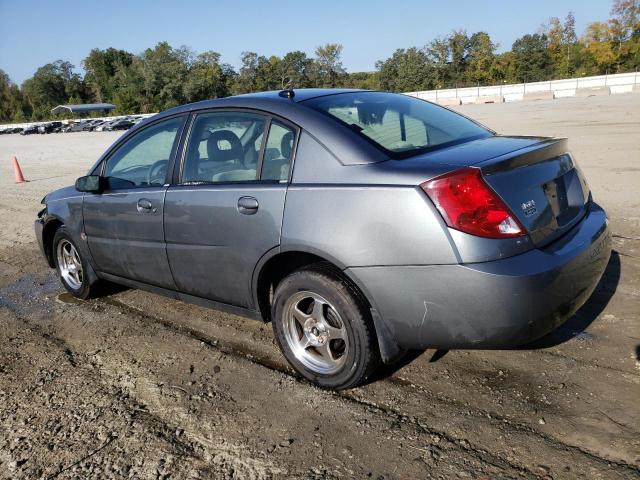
{"points": [[286, 145], [218, 151]]}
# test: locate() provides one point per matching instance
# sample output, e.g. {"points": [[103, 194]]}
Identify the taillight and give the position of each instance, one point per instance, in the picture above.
{"points": [[468, 204]]}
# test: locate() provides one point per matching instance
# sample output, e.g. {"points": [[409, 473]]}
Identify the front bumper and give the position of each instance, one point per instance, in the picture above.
{"points": [[39, 231], [498, 304]]}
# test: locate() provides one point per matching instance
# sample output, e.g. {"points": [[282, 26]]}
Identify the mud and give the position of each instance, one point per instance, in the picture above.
{"points": [[134, 385]]}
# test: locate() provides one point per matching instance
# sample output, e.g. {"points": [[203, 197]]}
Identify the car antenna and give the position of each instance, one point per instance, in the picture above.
{"points": [[287, 91]]}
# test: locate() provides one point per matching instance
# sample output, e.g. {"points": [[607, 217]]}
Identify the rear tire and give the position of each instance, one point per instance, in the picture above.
{"points": [[324, 329], [72, 267]]}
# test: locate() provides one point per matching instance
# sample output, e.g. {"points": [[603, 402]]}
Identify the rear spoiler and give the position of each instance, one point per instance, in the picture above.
{"points": [[539, 152]]}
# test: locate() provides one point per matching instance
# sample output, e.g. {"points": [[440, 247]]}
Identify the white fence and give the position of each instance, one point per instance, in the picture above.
{"points": [[585, 86]]}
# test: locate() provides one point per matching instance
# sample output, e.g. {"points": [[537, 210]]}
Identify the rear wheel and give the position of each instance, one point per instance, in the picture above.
{"points": [[323, 329], [72, 268]]}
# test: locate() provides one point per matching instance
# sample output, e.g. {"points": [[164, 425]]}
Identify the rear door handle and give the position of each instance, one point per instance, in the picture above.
{"points": [[247, 205], [145, 206]]}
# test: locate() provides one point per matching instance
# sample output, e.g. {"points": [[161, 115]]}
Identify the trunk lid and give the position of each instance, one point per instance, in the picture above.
{"points": [[541, 185], [535, 176]]}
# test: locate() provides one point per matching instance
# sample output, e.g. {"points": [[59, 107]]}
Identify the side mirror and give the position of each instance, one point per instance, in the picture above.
{"points": [[89, 183]]}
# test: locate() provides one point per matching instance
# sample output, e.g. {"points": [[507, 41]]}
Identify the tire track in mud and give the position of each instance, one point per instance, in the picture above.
{"points": [[483, 455], [462, 447], [226, 458]]}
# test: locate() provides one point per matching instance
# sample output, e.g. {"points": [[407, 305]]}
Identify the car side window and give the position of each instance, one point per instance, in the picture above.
{"points": [[224, 147], [278, 152], [143, 160]]}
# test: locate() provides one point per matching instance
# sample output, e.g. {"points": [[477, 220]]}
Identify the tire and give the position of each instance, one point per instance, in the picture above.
{"points": [[73, 271], [323, 328]]}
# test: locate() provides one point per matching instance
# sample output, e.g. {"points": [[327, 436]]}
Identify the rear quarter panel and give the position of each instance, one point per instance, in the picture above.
{"points": [[365, 225], [360, 215]]}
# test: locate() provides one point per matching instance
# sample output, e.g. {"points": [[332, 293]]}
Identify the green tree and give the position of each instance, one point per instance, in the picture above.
{"points": [[480, 58], [11, 101], [52, 84], [297, 69], [562, 41], [531, 58], [459, 50], [503, 69], [100, 67], [270, 74], [599, 48], [365, 80], [247, 76], [625, 33], [328, 65], [164, 70], [129, 94], [438, 52], [570, 40], [207, 78], [405, 71]]}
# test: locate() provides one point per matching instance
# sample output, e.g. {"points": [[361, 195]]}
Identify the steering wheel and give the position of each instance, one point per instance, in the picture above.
{"points": [[157, 172]]}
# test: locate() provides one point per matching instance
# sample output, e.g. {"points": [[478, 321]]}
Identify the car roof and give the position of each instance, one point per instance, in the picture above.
{"points": [[258, 100], [300, 94], [342, 142]]}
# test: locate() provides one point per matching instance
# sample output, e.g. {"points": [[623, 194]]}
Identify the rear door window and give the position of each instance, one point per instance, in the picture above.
{"points": [[224, 147], [278, 152]]}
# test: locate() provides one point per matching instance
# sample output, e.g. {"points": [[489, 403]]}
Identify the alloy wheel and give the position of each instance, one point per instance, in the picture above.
{"points": [[315, 332], [70, 264]]}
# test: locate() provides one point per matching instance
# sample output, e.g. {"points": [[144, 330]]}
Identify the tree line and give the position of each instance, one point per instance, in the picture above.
{"points": [[163, 76]]}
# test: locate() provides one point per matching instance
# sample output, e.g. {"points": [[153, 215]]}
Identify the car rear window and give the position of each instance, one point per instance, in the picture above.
{"points": [[400, 125]]}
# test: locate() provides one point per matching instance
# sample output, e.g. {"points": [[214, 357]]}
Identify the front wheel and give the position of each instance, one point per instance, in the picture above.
{"points": [[72, 268], [323, 329]]}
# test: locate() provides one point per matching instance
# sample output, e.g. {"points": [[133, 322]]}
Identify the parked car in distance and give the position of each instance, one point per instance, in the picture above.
{"points": [[91, 124], [101, 127], [50, 127], [361, 224], [122, 124], [10, 130], [77, 126], [29, 130]]}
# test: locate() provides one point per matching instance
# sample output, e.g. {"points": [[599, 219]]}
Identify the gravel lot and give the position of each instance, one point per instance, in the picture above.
{"points": [[134, 385]]}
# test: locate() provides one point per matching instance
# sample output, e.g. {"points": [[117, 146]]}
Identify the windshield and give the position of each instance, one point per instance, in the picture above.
{"points": [[401, 125]]}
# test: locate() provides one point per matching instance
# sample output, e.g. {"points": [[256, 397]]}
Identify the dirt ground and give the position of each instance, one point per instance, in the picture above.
{"points": [[134, 385]]}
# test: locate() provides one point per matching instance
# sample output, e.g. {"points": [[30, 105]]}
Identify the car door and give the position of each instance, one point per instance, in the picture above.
{"points": [[124, 223], [225, 212]]}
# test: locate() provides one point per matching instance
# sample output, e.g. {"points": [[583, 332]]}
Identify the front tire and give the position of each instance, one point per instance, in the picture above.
{"points": [[72, 267], [324, 329]]}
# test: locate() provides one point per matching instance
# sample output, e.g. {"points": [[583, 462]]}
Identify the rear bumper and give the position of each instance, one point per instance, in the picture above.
{"points": [[498, 304]]}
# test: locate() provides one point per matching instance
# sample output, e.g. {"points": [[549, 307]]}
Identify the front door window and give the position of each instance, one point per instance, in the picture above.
{"points": [[142, 161]]}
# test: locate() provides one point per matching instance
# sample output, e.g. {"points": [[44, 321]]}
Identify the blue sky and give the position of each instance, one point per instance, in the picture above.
{"points": [[36, 32]]}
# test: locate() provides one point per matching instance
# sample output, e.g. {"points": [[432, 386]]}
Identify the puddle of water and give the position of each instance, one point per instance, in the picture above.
{"points": [[66, 297]]}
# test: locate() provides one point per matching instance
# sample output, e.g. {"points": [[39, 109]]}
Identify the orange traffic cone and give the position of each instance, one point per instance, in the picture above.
{"points": [[17, 171]]}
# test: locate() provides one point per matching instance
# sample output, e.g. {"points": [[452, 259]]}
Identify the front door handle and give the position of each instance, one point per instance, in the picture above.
{"points": [[247, 205], [145, 206]]}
